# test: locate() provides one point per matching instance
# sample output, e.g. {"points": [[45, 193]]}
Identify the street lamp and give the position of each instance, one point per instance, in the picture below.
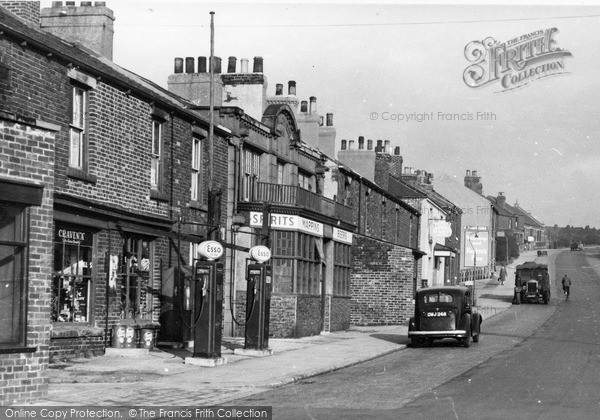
{"points": [[474, 266]]}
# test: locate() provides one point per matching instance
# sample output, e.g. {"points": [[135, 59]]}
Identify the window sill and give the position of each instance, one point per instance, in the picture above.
{"points": [[197, 205], [81, 175], [159, 195], [18, 350], [72, 330]]}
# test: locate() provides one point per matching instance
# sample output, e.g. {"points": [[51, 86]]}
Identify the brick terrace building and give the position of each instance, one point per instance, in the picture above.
{"points": [[98, 165]]}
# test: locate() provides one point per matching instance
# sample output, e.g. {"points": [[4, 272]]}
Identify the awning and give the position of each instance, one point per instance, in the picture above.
{"points": [[443, 251]]}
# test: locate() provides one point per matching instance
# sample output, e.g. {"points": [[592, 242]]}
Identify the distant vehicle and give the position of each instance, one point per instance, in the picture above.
{"points": [[532, 283], [542, 253], [576, 247], [444, 312]]}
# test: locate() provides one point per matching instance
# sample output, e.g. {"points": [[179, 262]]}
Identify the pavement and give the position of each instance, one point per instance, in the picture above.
{"points": [[161, 378]]}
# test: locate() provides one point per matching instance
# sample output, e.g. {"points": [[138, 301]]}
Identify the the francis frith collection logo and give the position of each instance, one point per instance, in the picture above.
{"points": [[516, 62]]}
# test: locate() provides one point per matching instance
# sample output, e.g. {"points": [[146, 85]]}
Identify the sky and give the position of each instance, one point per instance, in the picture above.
{"points": [[374, 65]]}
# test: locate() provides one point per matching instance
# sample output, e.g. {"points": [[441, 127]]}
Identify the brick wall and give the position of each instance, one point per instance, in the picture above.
{"points": [[308, 316], [282, 320], [339, 317], [27, 155], [381, 283], [28, 10]]}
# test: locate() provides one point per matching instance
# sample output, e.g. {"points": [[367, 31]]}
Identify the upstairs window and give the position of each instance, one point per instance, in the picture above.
{"points": [[196, 185], [156, 155], [305, 181], [78, 129], [251, 175]]}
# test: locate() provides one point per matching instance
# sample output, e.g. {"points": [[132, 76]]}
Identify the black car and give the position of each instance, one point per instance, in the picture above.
{"points": [[444, 312]]}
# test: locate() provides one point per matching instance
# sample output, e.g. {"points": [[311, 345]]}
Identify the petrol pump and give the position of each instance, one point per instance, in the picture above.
{"points": [[208, 301], [258, 299]]}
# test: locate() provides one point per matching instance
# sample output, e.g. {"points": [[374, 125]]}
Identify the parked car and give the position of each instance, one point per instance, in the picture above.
{"points": [[444, 312], [576, 247], [532, 283]]}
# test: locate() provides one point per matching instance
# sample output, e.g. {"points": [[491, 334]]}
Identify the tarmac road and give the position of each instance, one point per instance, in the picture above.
{"points": [[533, 361]]}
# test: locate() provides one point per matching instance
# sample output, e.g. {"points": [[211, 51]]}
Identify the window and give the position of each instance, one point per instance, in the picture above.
{"points": [[308, 274], [13, 281], [283, 246], [71, 283], [280, 172], [78, 130], [196, 186], [305, 181], [156, 156], [438, 298], [251, 175], [341, 269], [136, 284]]}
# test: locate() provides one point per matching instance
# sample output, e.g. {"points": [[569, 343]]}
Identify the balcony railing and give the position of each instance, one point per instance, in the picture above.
{"points": [[293, 196]]}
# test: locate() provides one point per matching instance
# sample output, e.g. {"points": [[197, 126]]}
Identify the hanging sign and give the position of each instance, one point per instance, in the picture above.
{"points": [[211, 250], [260, 253]]}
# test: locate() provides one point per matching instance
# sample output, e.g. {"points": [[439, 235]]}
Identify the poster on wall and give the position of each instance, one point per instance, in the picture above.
{"points": [[476, 248]]}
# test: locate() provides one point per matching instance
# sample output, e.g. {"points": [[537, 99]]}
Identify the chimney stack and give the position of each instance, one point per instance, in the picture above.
{"points": [[472, 182], [91, 26], [501, 199]]}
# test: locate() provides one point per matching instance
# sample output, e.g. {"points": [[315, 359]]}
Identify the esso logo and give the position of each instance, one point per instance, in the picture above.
{"points": [[211, 250], [260, 253]]}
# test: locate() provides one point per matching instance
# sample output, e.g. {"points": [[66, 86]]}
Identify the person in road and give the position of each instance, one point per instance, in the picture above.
{"points": [[502, 275], [566, 284]]}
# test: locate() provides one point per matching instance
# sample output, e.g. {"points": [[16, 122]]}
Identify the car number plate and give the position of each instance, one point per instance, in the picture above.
{"points": [[435, 314]]}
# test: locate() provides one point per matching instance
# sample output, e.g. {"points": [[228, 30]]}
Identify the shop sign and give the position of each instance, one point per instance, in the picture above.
{"points": [[340, 235], [260, 253], [288, 222], [211, 250], [72, 236]]}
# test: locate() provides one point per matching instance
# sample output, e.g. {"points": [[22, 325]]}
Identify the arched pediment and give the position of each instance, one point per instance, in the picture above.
{"points": [[281, 119]]}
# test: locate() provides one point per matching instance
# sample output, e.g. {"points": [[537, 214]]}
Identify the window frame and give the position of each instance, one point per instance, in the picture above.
{"points": [[20, 241], [196, 177], [157, 155], [78, 127], [250, 173], [342, 269]]}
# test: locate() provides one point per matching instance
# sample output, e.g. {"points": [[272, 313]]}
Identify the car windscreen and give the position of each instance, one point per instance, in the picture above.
{"points": [[438, 297]]}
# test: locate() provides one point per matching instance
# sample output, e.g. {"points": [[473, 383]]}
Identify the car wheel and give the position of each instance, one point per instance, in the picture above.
{"points": [[467, 340], [545, 297], [517, 298], [476, 338]]}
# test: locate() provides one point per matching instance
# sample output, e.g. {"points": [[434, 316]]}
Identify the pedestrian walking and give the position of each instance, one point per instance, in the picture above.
{"points": [[566, 284], [502, 275]]}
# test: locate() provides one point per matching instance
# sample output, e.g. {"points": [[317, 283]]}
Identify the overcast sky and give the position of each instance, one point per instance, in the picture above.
{"points": [[367, 64]]}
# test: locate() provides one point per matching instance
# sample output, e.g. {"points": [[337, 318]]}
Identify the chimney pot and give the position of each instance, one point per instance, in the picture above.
{"points": [[189, 64], [69, 3], [468, 172], [279, 89], [201, 64], [86, 3], [386, 148], [178, 65], [313, 104], [244, 65], [231, 64], [304, 106], [217, 65], [100, 4], [320, 120], [361, 142], [292, 88], [258, 65], [397, 151], [329, 119], [57, 4], [369, 144], [351, 145], [474, 173], [343, 144]]}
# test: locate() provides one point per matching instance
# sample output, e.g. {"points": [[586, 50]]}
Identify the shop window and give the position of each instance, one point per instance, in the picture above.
{"points": [[283, 247], [308, 272], [78, 129], [13, 279], [71, 285], [341, 270], [136, 279]]}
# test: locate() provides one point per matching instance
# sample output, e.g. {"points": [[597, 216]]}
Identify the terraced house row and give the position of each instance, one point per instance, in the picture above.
{"points": [[109, 183]]}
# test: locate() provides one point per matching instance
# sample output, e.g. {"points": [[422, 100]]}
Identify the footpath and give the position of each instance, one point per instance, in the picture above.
{"points": [[161, 378]]}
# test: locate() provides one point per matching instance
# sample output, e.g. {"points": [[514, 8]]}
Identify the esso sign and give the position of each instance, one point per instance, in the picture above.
{"points": [[260, 253], [211, 250]]}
